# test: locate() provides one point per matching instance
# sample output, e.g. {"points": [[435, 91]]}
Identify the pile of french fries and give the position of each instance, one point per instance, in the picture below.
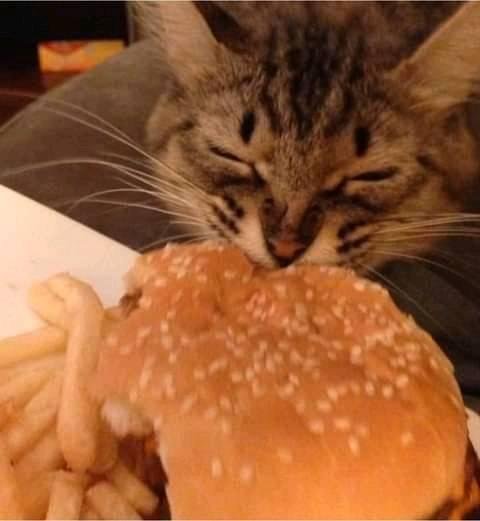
{"points": [[58, 460]]}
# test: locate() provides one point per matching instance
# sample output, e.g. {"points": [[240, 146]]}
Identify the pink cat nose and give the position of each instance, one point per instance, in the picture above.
{"points": [[285, 250]]}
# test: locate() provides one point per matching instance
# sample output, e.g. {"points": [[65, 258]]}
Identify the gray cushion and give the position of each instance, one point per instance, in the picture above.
{"points": [[123, 92]]}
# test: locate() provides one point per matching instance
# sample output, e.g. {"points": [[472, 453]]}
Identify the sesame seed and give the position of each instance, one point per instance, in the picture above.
{"points": [[229, 274], [211, 413], [172, 358], [246, 473], [225, 426], [270, 364], [217, 365], [369, 388], [284, 455], [164, 326], [236, 377], [401, 381], [359, 285], [112, 340], [387, 391], [216, 468], [406, 439], [160, 282], [433, 363], [353, 445], [309, 295], [295, 357], [145, 377], [286, 391], [188, 403], [316, 426], [293, 378], [342, 424], [249, 374], [331, 355], [145, 302], [324, 405], [356, 350], [199, 374], [332, 393], [225, 403], [337, 345], [157, 423], [412, 357], [281, 290]]}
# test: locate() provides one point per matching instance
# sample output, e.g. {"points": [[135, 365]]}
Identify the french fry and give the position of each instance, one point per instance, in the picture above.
{"points": [[15, 393], [47, 397], [35, 344], [10, 496], [107, 451], [132, 489], [45, 363], [79, 419], [67, 495], [36, 494], [109, 503], [39, 413], [48, 306], [88, 512], [20, 436], [44, 456]]}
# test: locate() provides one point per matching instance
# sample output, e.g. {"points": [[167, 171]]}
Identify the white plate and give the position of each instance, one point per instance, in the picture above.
{"points": [[36, 242]]}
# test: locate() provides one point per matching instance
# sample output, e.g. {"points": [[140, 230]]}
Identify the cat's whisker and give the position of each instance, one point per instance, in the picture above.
{"points": [[402, 293], [126, 141], [415, 236], [416, 258], [164, 240], [66, 104], [155, 209], [138, 175]]}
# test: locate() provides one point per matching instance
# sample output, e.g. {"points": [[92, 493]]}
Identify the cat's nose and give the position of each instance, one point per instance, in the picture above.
{"points": [[285, 249]]}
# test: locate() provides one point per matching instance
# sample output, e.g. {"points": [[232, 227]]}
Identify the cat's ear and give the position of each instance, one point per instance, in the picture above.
{"points": [[194, 34], [445, 70]]}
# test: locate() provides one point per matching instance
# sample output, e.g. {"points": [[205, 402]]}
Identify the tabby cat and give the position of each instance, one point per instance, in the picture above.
{"points": [[332, 133]]}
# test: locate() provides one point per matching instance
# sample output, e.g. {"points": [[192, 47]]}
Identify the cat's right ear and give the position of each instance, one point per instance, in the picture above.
{"points": [[445, 70], [193, 34]]}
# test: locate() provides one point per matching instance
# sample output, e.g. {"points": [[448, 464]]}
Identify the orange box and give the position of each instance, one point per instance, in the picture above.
{"points": [[76, 56]]}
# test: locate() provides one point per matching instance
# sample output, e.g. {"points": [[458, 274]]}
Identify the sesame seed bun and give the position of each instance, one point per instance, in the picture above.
{"points": [[296, 393]]}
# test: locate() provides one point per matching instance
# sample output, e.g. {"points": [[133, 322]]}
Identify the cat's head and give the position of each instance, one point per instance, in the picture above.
{"points": [[294, 144]]}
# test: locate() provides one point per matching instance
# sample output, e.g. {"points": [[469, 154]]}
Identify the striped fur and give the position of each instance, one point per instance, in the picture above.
{"points": [[316, 122]]}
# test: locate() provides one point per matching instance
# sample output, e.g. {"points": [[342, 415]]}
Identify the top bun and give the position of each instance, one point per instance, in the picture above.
{"points": [[296, 393]]}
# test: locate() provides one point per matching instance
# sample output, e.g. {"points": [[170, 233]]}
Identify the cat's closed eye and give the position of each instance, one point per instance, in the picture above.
{"points": [[376, 175]]}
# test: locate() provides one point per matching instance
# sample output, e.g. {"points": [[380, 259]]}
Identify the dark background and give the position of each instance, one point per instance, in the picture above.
{"points": [[25, 24]]}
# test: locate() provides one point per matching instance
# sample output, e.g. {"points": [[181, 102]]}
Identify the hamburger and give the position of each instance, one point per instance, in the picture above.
{"points": [[294, 393]]}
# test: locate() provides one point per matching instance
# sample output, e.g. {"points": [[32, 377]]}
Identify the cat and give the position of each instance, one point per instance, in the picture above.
{"points": [[328, 133]]}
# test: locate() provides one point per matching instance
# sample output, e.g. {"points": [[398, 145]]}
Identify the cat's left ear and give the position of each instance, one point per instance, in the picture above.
{"points": [[445, 70]]}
